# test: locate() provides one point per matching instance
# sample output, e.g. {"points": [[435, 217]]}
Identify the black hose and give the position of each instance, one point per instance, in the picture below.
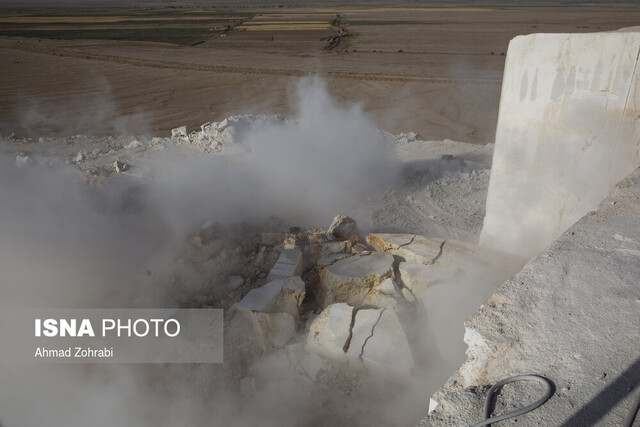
{"points": [[487, 403], [633, 413]]}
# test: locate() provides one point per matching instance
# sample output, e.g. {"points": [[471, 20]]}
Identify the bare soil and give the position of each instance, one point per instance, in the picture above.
{"points": [[433, 70]]}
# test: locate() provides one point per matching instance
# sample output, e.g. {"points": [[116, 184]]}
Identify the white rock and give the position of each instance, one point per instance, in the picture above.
{"points": [[277, 296], [418, 277], [289, 264], [350, 280], [413, 248], [433, 404], [326, 260], [179, 132], [220, 126], [384, 295], [330, 330], [78, 158], [134, 144], [388, 348], [363, 330], [567, 134]]}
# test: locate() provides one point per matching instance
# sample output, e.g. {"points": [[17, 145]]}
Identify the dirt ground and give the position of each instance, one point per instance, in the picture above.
{"points": [[433, 70]]}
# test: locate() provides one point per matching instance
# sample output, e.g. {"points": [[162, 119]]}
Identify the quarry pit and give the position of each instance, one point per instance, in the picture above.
{"points": [[354, 266]]}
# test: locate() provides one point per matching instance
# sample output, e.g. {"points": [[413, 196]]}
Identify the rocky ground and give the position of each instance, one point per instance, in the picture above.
{"points": [[339, 317]]}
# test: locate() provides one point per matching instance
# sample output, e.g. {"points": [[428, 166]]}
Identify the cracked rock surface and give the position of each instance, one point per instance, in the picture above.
{"points": [[351, 279], [374, 336], [412, 248]]}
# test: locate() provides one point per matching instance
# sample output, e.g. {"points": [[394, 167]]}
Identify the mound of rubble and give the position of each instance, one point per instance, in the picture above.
{"points": [[345, 309], [342, 301]]}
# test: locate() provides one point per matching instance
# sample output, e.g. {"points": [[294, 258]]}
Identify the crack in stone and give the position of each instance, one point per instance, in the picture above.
{"points": [[372, 330], [347, 343], [407, 244], [395, 247], [433, 261]]}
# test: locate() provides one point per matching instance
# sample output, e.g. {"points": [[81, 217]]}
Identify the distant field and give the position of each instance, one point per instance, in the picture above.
{"points": [[408, 9], [189, 24], [284, 26], [160, 24], [413, 66]]}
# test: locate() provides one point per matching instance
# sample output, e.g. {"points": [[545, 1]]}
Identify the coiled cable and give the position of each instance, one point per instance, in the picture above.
{"points": [[487, 403]]}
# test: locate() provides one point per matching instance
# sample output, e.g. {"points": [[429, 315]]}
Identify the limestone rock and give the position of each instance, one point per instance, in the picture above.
{"points": [[418, 277], [336, 247], [384, 295], [289, 264], [417, 249], [179, 132], [388, 348], [363, 329], [330, 330], [273, 311], [350, 280], [342, 227], [134, 144], [579, 94], [273, 331], [374, 336], [326, 260], [277, 296]]}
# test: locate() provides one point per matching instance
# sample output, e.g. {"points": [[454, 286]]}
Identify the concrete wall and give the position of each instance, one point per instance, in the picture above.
{"points": [[568, 131]]}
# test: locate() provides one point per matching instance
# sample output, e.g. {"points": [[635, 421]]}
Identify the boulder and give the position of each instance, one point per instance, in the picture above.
{"points": [[342, 227], [134, 144], [418, 277], [363, 327], [412, 248], [277, 296], [336, 247], [326, 260], [289, 264], [387, 348], [350, 280], [179, 132], [383, 296], [330, 331], [372, 335], [273, 311]]}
